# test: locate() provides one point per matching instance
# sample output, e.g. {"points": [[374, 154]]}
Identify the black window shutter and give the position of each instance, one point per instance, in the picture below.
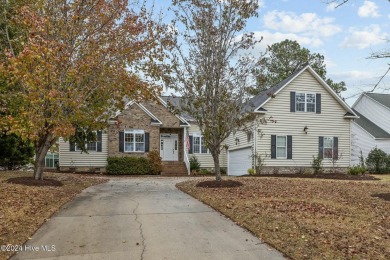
{"points": [[335, 148], [191, 151], [273, 146], [292, 101], [321, 147], [289, 147], [72, 146], [146, 142], [121, 141], [99, 141], [318, 103]]}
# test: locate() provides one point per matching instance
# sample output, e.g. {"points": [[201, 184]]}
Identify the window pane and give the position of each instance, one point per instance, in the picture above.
{"points": [[196, 143], [91, 146], [300, 102], [281, 141], [311, 103], [300, 107], [139, 138], [328, 153], [311, 107], [139, 147], [129, 147], [281, 152], [328, 142], [300, 97]]}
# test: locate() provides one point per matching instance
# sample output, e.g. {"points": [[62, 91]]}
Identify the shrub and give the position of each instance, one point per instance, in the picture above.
{"points": [[356, 170], [14, 151], [251, 171], [377, 161], [128, 165], [223, 170], [194, 164], [155, 162], [205, 172], [317, 164]]}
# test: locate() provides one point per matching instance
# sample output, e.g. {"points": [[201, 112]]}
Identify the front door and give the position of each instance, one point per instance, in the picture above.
{"points": [[169, 147]]}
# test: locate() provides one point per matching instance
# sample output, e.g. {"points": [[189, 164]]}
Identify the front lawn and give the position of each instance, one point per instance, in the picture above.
{"points": [[308, 218], [25, 208]]}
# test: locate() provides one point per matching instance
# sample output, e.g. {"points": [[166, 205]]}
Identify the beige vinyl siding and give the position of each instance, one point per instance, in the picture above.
{"points": [[242, 138], [78, 159], [206, 160], [330, 123]]}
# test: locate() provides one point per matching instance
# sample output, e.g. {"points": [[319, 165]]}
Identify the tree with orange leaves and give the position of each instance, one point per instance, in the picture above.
{"points": [[77, 61]]}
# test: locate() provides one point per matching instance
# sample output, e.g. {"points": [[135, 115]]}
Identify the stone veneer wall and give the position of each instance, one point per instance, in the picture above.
{"points": [[135, 118]]}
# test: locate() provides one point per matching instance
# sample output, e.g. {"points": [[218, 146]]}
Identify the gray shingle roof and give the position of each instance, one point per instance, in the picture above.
{"points": [[384, 99], [370, 127], [256, 101], [176, 103]]}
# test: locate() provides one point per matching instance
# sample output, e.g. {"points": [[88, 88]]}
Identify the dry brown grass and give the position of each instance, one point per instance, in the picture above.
{"points": [[25, 208], [308, 218]]}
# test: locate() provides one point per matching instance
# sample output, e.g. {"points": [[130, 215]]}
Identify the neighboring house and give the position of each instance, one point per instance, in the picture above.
{"points": [[297, 119], [372, 129]]}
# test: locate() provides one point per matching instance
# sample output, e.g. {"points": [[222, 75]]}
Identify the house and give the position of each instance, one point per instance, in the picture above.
{"points": [[296, 120], [140, 128], [372, 129]]}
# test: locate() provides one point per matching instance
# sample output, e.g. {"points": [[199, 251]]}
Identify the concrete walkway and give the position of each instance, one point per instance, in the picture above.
{"points": [[142, 218]]}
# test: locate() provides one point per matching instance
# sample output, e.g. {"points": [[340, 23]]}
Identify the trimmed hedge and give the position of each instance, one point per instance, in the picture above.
{"points": [[128, 165]]}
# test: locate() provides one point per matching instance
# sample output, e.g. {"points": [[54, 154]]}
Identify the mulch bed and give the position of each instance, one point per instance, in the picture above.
{"points": [[384, 196], [30, 181], [219, 184], [333, 176]]}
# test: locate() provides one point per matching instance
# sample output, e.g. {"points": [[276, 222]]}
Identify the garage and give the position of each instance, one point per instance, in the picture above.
{"points": [[240, 161]]}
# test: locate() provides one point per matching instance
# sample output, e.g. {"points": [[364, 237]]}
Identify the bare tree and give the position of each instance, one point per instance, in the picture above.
{"points": [[208, 67]]}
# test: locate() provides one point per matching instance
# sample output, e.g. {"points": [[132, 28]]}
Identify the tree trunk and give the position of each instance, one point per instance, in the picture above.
{"points": [[40, 153], [217, 168]]}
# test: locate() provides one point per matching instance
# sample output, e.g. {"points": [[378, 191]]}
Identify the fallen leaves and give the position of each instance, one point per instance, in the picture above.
{"points": [[308, 218], [25, 208]]}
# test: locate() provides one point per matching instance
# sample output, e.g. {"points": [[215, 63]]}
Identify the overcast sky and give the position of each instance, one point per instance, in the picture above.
{"points": [[346, 36]]}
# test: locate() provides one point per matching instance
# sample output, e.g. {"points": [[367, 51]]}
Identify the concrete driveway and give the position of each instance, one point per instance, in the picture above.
{"points": [[141, 218]]}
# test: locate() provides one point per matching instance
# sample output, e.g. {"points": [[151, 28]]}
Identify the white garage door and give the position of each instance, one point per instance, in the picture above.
{"points": [[240, 161]]}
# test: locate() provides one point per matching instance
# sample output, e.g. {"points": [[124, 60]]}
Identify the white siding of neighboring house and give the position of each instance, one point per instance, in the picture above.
{"points": [[374, 111], [77, 159], [330, 122], [206, 160], [361, 141]]}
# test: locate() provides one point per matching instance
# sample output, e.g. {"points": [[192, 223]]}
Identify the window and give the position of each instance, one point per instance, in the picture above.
{"points": [[305, 102], [134, 141], [199, 145], [90, 146], [328, 147], [281, 147]]}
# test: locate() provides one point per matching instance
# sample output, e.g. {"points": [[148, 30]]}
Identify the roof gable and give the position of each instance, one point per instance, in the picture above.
{"points": [[260, 100], [383, 99], [154, 119], [370, 127]]}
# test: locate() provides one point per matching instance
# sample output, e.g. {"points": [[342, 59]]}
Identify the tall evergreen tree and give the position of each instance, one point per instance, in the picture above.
{"points": [[283, 59]]}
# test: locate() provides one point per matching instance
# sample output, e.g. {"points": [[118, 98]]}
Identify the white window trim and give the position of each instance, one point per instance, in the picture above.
{"points": [[133, 131], [276, 145], [200, 144], [332, 147], [305, 111]]}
